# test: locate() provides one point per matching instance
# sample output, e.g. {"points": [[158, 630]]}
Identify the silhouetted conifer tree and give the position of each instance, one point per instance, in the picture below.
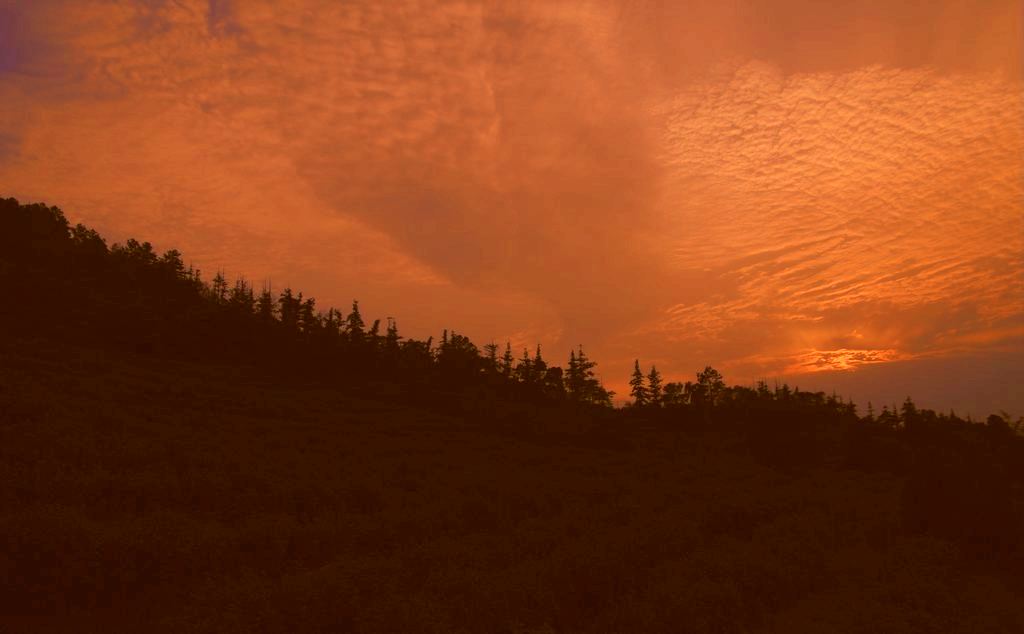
{"points": [[391, 339], [241, 298], [540, 368], [288, 309], [908, 413], [373, 336], [654, 387], [524, 371], [457, 357], [309, 319], [354, 325], [170, 262], [331, 323], [90, 243], [219, 288], [762, 389], [573, 384], [491, 357], [887, 418], [265, 305], [581, 384], [637, 390], [507, 362]]}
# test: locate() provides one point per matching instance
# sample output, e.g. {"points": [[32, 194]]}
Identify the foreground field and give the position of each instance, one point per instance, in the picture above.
{"points": [[142, 495]]}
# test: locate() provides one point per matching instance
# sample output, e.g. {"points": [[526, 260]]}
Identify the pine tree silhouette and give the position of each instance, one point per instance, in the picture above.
{"points": [[654, 387], [636, 384]]}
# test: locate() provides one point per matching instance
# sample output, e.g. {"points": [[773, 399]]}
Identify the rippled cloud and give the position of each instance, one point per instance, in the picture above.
{"points": [[880, 207], [776, 188]]}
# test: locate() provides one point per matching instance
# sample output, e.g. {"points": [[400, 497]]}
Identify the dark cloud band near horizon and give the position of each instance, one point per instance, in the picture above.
{"points": [[821, 191]]}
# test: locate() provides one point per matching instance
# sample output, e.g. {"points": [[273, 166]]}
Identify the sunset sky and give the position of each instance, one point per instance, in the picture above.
{"points": [[826, 192]]}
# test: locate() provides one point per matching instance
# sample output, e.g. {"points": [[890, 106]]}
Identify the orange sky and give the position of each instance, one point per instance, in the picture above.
{"points": [[830, 192]]}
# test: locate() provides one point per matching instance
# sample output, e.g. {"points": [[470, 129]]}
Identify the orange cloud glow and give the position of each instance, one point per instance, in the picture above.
{"points": [[778, 188], [842, 359]]}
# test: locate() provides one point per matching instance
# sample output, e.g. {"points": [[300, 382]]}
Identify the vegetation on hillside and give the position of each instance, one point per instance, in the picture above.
{"points": [[178, 455], [70, 284]]}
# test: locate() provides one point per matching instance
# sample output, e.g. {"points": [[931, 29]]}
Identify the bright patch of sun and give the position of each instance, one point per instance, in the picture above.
{"points": [[841, 359]]}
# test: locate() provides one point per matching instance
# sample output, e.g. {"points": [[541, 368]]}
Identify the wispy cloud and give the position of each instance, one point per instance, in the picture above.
{"points": [[720, 184], [883, 200]]}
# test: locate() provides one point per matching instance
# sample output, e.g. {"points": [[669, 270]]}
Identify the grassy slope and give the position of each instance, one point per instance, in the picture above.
{"points": [[136, 493]]}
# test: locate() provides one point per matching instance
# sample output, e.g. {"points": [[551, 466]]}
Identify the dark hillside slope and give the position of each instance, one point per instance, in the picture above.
{"points": [[139, 494], [182, 455]]}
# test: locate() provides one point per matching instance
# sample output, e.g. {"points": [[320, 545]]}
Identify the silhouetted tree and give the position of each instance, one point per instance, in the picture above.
{"points": [[457, 358], [265, 305], [89, 243], [580, 382], [373, 336], [887, 419], [554, 383], [998, 423], [762, 390], [524, 370], [170, 262], [908, 414], [309, 319], [709, 385], [65, 279], [491, 357], [654, 387], [354, 325], [416, 358], [507, 362], [637, 390], [288, 309], [540, 369], [241, 299], [391, 339], [674, 394], [331, 325], [219, 288]]}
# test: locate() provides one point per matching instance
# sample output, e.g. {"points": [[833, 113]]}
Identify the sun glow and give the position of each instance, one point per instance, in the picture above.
{"points": [[842, 359]]}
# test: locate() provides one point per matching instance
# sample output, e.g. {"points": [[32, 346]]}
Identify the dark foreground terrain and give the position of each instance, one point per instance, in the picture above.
{"points": [[141, 494], [185, 456]]}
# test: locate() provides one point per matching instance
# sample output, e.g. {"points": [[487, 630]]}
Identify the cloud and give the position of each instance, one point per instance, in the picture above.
{"points": [[842, 359], [763, 186], [876, 195], [9, 49]]}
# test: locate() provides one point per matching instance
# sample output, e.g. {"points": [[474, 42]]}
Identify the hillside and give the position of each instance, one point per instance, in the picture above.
{"points": [[171, 462], [177, 497]]}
